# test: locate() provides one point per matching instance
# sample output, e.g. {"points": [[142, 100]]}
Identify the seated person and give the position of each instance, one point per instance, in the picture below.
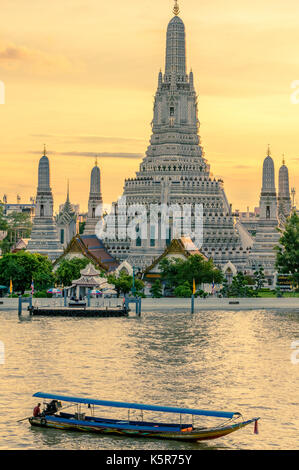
{"points": [[36, 411]]}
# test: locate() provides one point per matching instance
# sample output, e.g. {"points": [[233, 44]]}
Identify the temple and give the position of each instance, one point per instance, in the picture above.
{"points": [[44, 236], [175, 170], [67, 222], [284, 197], [95, 201], [267, 237]]}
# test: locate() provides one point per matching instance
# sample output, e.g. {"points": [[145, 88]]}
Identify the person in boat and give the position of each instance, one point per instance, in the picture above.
{"points": [[37, 411], [51, 408]]}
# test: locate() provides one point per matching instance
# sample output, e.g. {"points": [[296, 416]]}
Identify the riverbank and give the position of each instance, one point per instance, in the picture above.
{"points": [[167, 304]]}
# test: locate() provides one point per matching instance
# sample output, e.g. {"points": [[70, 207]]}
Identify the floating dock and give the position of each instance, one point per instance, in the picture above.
{"points": [[78, 312]]}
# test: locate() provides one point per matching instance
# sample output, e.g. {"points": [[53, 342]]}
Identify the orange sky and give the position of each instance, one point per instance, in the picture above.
{"points": [[80, 76]]}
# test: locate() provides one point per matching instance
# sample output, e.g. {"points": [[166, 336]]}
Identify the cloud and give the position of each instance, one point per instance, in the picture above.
{"points": [[135, 156], [98, 139], [14, 56]]}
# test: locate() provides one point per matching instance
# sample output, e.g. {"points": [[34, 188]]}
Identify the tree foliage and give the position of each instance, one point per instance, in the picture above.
{"points": [[183, 291], [3, 220], [287, 258], [69, 270], [124, 284], [238, 287], [17, 225], [156, 289], [176, 271], [259, 278], [22, 267]]}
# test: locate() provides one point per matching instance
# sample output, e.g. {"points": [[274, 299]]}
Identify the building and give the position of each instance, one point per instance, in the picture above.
{"points": [[95, 202], [90, 247], [180, 248], [44, 236], [284, 196], [20, 209], [267, 237], [90, 281], [67, 222], [176, 172]]}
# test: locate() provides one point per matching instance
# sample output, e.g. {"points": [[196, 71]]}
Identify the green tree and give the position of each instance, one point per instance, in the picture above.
{"points": [[69, 270], [124, 283], [238, 287], [81, 227], [183, 291], [18, 225], [156, 289], [3, 219], [22, 267], [287, 257], [259, 278], [176, 271]]}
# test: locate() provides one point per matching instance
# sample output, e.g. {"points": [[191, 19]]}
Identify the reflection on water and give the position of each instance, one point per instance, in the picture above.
{"points": [[234, 361]]}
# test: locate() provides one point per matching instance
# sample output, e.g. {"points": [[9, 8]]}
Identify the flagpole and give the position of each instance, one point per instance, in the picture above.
{"points": [[192, 297]]}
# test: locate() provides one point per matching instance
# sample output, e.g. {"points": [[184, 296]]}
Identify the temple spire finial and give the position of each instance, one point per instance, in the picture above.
{"points": [[176, 8], [269, 151], [96, 161], [283, 159], [45, 150], [68, 191]]}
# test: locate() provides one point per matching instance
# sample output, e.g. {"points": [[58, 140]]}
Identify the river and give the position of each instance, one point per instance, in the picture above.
{"points": [[225, 360]]}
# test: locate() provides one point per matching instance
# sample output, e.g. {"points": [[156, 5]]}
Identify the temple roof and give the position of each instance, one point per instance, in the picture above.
{"points": [[90, 247], [90, 270], [182, 246]]}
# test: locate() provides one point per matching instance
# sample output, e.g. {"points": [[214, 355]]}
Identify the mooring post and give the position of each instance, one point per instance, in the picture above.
{"points": [[20, 306], [88, 298], [192, 303]]}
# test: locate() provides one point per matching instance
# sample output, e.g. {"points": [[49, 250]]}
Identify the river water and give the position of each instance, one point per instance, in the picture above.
{"points": [[232, 361]]}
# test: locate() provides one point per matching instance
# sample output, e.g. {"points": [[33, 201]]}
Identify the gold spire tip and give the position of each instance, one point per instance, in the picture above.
{"points": [[176, 8], [45, 150], [96, 162]]}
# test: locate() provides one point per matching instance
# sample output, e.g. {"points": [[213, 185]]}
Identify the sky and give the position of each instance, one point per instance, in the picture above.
{"points": [[80, 76]]}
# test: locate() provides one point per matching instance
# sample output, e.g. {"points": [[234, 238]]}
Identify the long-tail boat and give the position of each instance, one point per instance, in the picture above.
{"points": [[54, 417]]}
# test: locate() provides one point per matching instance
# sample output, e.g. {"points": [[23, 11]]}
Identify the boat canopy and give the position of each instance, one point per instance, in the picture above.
{"points": [[136, 406]]}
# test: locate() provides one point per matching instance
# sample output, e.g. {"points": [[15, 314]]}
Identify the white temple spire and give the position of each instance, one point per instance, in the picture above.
{"points": [[176, 47]]}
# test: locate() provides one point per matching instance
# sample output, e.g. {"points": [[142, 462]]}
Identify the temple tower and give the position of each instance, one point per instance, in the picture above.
{"points": [[67, 221], [44, 236], [284, 197], [175, 170], [267, 236], [95, 202], [268, 198]]}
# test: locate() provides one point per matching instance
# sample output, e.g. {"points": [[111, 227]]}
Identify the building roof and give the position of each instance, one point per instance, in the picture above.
{"points": [[92, 248], [20, 245], [183, 246]]}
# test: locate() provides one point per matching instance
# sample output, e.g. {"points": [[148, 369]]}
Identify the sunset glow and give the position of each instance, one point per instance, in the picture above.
{"points": [[80, 76]]}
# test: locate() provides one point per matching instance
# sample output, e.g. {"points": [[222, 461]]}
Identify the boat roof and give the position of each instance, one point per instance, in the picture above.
{"points": [[137, 406]]}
